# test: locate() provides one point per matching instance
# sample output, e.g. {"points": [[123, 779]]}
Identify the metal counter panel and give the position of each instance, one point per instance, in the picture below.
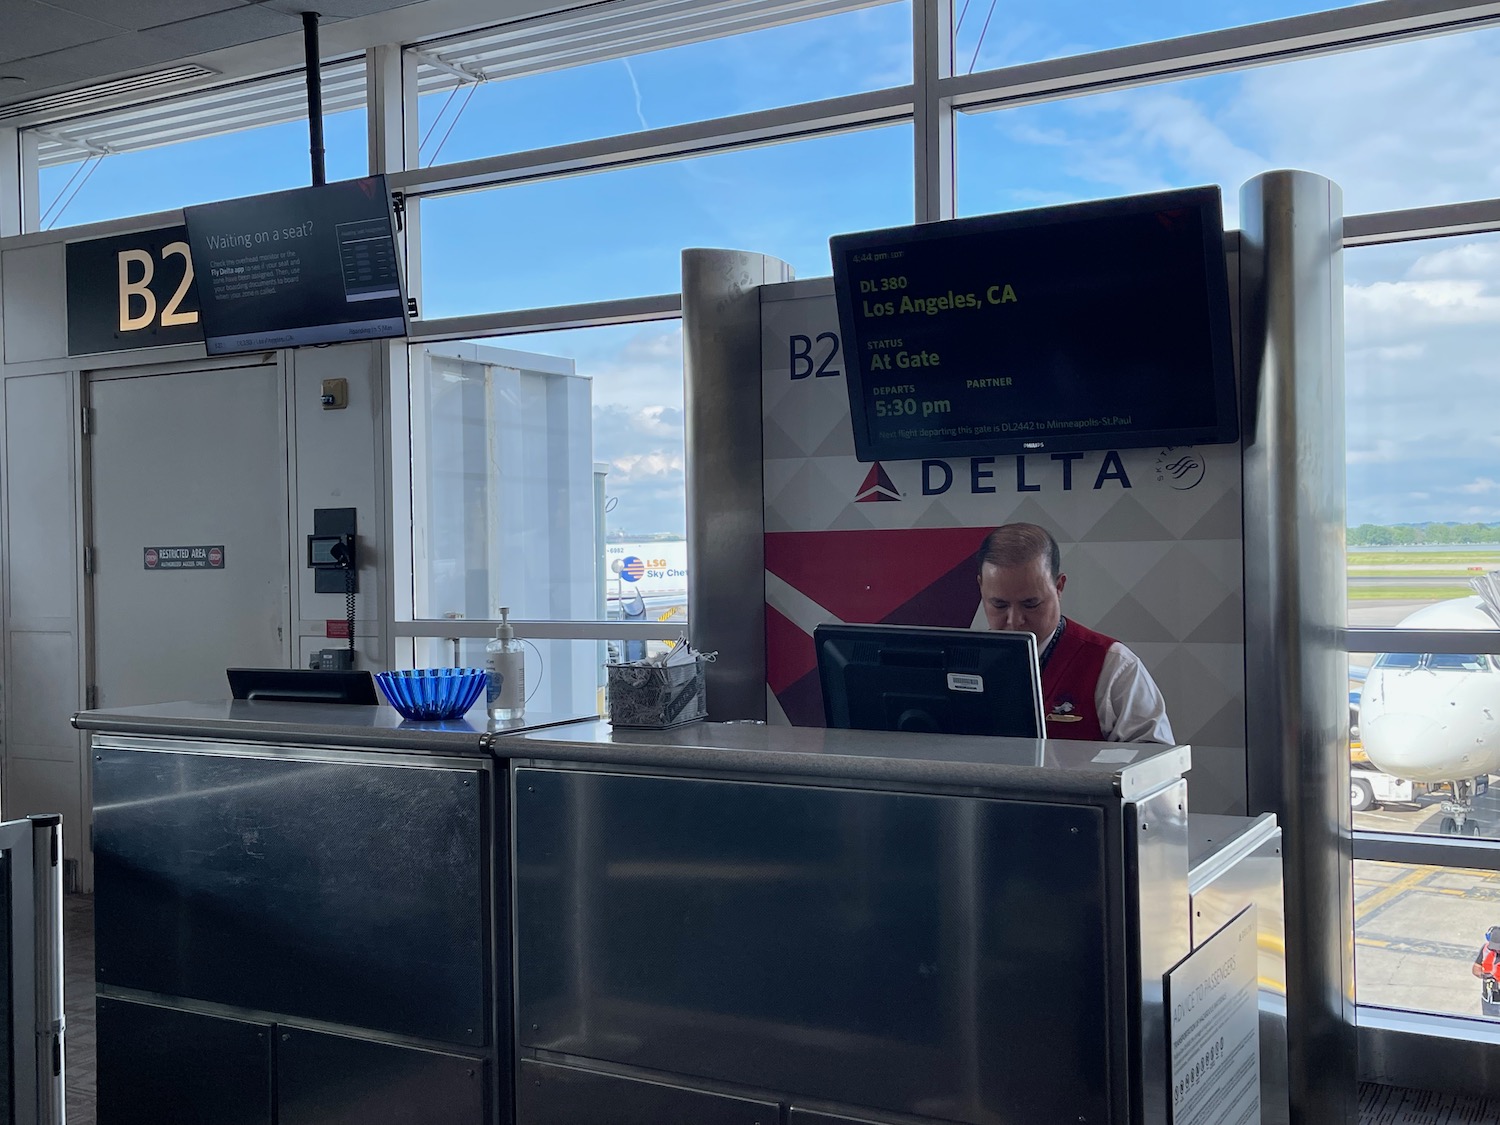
{"points": [[547, 1094], [334, 1080], [1220, 891], [159, 1066], [354, 894], [932, 955]]}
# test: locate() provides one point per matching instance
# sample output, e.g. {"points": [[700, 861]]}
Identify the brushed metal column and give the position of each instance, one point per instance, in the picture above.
{"points": [[51, 1066], [1292, 374], [725, 501]]}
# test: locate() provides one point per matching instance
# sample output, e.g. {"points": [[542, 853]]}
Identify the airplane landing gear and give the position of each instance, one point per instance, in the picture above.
{"points": [[1457, 822]]}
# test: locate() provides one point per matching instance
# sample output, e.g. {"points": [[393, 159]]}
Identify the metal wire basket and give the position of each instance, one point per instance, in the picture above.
{"points": [[653, 697]]}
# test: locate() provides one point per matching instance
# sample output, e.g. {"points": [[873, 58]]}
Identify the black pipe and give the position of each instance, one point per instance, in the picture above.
{"points": [[314, 96]]}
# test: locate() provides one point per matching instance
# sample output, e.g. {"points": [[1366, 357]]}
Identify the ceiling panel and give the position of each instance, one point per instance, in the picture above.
{"points": [[67, 45], [136, 15], [338, 9], [30, 28], [243, 24], [131, 51], [41, 74]]}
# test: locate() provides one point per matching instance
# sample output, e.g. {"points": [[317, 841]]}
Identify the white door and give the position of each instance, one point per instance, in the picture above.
{"points": [[188, 512]]}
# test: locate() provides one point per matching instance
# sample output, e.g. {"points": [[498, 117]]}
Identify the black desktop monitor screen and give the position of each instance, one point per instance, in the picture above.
{"points": [[313, 265], [302, 685], [1101, 325], [912, 678]]}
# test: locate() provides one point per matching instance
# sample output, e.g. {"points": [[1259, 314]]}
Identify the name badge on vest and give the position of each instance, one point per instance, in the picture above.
{"points": [[1063, 713]]}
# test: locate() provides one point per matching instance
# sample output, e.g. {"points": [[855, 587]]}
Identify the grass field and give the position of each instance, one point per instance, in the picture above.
{"points": [[1406, 569], [1444, 561], [1408, 593]]}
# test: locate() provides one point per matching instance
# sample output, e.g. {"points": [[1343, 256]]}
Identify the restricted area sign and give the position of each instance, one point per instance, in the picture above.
{"points": [[209, 557]]}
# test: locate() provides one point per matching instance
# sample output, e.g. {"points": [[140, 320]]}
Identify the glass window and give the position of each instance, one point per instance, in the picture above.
{"points": [[1024, 31], [547, 476], [245, 141], [1419, 938], [1423, 390], [620, 233], [564, 679], [1425, 743], [1394, 126], [557, 96], [1458, 662]]}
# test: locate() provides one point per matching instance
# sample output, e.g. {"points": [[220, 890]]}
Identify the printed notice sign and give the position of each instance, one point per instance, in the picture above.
{"points": [[185, 558], [1214, 1029]]}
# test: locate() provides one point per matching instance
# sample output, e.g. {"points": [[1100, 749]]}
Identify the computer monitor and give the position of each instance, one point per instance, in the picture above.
{"points": [[920, 679], [302, 685]]}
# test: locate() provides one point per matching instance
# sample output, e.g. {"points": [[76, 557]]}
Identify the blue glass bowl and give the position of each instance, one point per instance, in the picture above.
{"points": [[432, 693]]}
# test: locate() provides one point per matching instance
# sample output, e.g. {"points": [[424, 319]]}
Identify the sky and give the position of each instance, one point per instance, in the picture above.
{"points": [[1395, 126]]}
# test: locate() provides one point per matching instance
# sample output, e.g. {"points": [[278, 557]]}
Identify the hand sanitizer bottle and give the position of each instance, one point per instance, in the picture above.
{"points": [[505, 672]]}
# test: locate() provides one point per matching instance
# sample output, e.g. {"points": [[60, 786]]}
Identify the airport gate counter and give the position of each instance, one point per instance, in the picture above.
{"points": [[359, 919]]}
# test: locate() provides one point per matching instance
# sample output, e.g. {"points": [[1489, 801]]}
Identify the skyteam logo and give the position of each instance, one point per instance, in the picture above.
{"points": [[877, 487], [1180, 467]]}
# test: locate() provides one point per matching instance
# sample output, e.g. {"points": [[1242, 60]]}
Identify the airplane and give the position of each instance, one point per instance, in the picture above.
{"points": [[1435, 717]]}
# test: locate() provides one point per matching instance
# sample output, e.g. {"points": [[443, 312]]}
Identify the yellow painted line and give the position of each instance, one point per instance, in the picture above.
{"points": [[1391, 890]]}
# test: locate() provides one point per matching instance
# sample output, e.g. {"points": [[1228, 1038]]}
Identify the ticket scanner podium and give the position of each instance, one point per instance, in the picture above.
{"points": [[722, 922]]}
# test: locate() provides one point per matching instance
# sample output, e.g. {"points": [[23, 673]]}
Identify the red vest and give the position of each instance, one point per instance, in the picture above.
{"points": [[1070, 681], [1490, 965]]}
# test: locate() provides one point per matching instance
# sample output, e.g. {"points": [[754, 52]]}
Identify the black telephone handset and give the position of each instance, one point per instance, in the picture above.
{"points": [[337, 552]]}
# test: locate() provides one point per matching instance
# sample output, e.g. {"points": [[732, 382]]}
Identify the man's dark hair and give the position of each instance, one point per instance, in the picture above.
{"points": [[1016, 544]]}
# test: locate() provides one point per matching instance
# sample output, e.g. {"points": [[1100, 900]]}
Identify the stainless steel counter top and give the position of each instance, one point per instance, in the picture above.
{"points": [[312, 724], [1017, 765], [1100, 769]]}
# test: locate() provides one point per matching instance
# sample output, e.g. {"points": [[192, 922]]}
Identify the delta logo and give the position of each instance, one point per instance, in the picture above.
{"points": [[877, 488]]}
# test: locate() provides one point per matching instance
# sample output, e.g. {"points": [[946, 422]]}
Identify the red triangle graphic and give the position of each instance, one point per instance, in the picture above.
{"points": [[864, 576], [877, 486], [789, 652]]}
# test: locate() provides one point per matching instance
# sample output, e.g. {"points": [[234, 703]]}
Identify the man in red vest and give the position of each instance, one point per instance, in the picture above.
{"points": [[1487, 969], [1093, 687]]}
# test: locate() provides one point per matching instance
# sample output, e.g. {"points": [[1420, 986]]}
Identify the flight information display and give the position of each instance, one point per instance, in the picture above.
{"points": [[313, 265], [1092, 326]]}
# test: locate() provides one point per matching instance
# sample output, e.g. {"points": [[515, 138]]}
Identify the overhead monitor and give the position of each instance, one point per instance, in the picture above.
{"points": [[313, 265], [302, 685], [929, 680], [1100, 325]]}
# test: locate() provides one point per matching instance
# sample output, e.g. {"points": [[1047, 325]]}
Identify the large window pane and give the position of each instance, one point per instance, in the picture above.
{"points": [[988, 35], [539, 462], [246, 141], [564, 679], [621, 233], [1394, 126], [1422, 336], [561, 100], [1417, 934], [1424, 741]]}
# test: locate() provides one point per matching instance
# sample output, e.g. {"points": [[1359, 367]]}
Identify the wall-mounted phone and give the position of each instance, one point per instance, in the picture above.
{"points": [[332, 553]]}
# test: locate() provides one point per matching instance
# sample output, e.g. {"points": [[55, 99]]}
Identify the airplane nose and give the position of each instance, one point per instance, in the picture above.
{"points": [[1402, 743]]}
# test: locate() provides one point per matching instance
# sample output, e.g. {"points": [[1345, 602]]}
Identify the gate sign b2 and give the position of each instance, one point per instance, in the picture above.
{"points": [[131, 291]]}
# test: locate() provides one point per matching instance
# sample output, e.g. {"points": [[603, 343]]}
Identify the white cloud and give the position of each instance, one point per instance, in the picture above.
{"points": [[1480, 486], [1479, 259], [1394, 126], [638, 466], [1401, 305], [646, 481], [1383, 452]]}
